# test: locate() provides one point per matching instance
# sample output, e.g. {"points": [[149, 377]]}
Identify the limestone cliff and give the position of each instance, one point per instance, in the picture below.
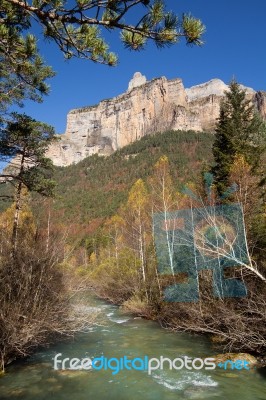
{"points": [[146, 107]]}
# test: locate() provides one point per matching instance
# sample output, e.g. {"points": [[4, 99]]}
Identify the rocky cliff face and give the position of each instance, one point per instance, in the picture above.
{"points": [[146, 107]]}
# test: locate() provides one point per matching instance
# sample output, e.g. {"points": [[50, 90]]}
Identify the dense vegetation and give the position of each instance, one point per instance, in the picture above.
{"points": [[93, 189]]}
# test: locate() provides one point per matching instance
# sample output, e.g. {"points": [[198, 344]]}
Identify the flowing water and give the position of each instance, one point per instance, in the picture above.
{"points": [[119, 335]]}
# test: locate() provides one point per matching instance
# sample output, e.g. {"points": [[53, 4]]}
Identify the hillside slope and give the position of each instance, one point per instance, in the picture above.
{"points": [[93, 189]]}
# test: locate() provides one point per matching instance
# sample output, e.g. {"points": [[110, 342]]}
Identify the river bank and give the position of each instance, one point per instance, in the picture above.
{"points": [[163, 313], [118, 334]]}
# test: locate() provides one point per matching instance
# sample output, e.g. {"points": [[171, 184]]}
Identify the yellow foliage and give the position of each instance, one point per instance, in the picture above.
{"points": [[163, 162], [93, 258], [240, 166], [115, 222], [26, 220], [124, 266], [138, 196]]}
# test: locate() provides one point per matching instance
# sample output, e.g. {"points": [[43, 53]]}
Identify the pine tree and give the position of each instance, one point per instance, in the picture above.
{"points": [[26, 141], [23, 73], [77, 27], [239, 130]]}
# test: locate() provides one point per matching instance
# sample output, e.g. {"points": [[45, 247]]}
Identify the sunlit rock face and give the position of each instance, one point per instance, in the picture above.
{"points": [[145, 108]]}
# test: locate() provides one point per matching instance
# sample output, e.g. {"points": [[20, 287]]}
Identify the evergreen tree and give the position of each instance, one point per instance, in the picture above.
{"points": [[239, 130], [23, 73], [77, 27], [26, 141]]}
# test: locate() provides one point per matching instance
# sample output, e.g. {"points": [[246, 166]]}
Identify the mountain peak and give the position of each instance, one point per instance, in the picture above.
{"points": [[137, 80], [153, 106]]}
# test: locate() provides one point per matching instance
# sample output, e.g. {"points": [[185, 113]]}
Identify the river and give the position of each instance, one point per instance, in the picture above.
{"points": [[118, 335]]}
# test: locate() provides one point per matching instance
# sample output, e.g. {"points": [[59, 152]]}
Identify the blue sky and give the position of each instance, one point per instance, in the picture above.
{"points": [[234, 47]]}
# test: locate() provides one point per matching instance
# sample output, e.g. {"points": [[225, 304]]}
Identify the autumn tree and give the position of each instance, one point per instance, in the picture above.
{"points": [[114, 227], [36, 293], [163, 197], [249, 194], [137, 222]]}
